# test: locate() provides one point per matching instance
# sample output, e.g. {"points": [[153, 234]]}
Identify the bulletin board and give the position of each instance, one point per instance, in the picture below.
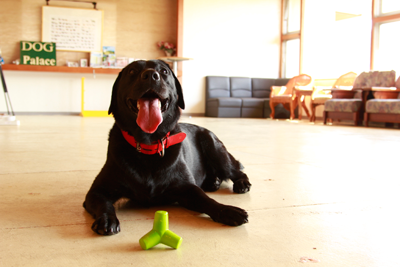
{"points": [[73, 29]]}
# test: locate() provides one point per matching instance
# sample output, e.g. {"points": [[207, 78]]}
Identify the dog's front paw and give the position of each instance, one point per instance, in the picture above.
{"points": [[106, 225], [232, 216], [241, 186]]}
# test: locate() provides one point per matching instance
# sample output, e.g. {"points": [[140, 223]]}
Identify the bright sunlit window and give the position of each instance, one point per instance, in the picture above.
{"points": [[387, 54], [291, 17], [290, 42], [389, 6], [386, 25], [292, 58]]}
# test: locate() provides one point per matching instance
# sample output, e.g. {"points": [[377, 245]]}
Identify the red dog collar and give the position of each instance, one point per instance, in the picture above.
{"points": [[156, 147]]}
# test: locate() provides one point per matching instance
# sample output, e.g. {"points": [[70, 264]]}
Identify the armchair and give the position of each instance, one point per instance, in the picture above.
{"points": [[350, 104], [286, 95], [386, 105], [320, 94]]}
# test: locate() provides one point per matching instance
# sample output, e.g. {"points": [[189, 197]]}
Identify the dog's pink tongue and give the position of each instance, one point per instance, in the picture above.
{"points": [[149, 116]]}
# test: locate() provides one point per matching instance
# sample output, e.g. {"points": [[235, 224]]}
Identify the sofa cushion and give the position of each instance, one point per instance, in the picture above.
{"points": [[240, 86], [383, 106], [217, 86], [343, 105], [225, 102], [253, 103]]}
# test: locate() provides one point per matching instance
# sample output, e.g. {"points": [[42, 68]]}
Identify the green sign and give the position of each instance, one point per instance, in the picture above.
{"points": [[38, 53]]}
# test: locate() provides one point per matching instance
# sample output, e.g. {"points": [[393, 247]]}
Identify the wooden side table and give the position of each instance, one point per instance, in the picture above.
{"points": [[175, 61], [300, 92]]}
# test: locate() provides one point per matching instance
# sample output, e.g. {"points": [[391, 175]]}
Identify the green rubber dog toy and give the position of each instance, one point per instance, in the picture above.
{"points": [[160, 233]]}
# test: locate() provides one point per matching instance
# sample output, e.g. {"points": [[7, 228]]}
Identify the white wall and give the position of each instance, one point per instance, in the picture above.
{"points": [[228, 38]]}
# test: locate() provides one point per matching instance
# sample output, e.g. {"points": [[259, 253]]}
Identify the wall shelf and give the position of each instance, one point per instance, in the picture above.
{"points": [[64, 69]]}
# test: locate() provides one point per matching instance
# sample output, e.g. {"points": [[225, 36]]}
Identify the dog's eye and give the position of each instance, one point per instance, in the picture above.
{"points": [[164, 71], [131, 72]]}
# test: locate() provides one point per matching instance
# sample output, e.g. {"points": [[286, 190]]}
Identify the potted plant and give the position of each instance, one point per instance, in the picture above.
{"points": [[169, 48]]}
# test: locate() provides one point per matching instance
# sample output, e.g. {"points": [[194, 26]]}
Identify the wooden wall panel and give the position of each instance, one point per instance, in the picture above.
{"points": [[141, 24], [132, 26], [10, 29]]}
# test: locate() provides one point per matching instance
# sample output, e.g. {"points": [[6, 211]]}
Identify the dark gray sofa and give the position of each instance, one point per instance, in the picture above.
{"points": [[242, 97]]}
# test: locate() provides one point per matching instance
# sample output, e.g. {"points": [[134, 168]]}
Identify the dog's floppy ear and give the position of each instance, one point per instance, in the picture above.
{"points": [[113, 104], [181, 102]]}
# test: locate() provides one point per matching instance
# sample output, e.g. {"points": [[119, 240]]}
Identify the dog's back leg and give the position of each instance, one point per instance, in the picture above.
{"points": [[222, 164], [211, 183], [193, 198]]}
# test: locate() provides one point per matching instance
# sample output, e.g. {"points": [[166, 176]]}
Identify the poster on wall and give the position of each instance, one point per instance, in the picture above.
{"points": [[73, 29], [109, 56]]}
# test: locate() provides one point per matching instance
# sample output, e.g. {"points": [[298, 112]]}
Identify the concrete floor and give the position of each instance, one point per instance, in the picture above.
{"points": [[321, 196]]}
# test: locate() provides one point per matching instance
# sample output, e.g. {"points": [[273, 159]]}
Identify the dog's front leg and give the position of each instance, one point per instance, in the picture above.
{"points": [[194, 198], [103, 211]]}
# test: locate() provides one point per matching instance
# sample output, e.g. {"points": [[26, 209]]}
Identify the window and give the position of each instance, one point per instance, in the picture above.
{"points": [[388, 6], [385, 54], [291, 53], [291, 17], [290, 38]]}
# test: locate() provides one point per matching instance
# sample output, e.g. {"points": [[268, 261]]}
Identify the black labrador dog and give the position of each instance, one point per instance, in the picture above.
{"points": [[154, 160]]}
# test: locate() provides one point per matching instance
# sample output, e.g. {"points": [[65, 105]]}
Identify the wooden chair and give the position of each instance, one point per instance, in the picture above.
{"points": [[286, 95], [321, 94]]}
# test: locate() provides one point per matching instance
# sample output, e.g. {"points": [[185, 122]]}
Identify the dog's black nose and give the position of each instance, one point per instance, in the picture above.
{"points": [[152, 74]]}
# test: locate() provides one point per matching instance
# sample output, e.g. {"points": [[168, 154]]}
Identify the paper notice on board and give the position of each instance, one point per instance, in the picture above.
{"points": [[73, 33], [73, 29]]}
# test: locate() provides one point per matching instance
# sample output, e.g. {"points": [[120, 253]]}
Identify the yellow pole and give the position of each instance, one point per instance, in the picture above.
{"points": [[82, 96]]}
